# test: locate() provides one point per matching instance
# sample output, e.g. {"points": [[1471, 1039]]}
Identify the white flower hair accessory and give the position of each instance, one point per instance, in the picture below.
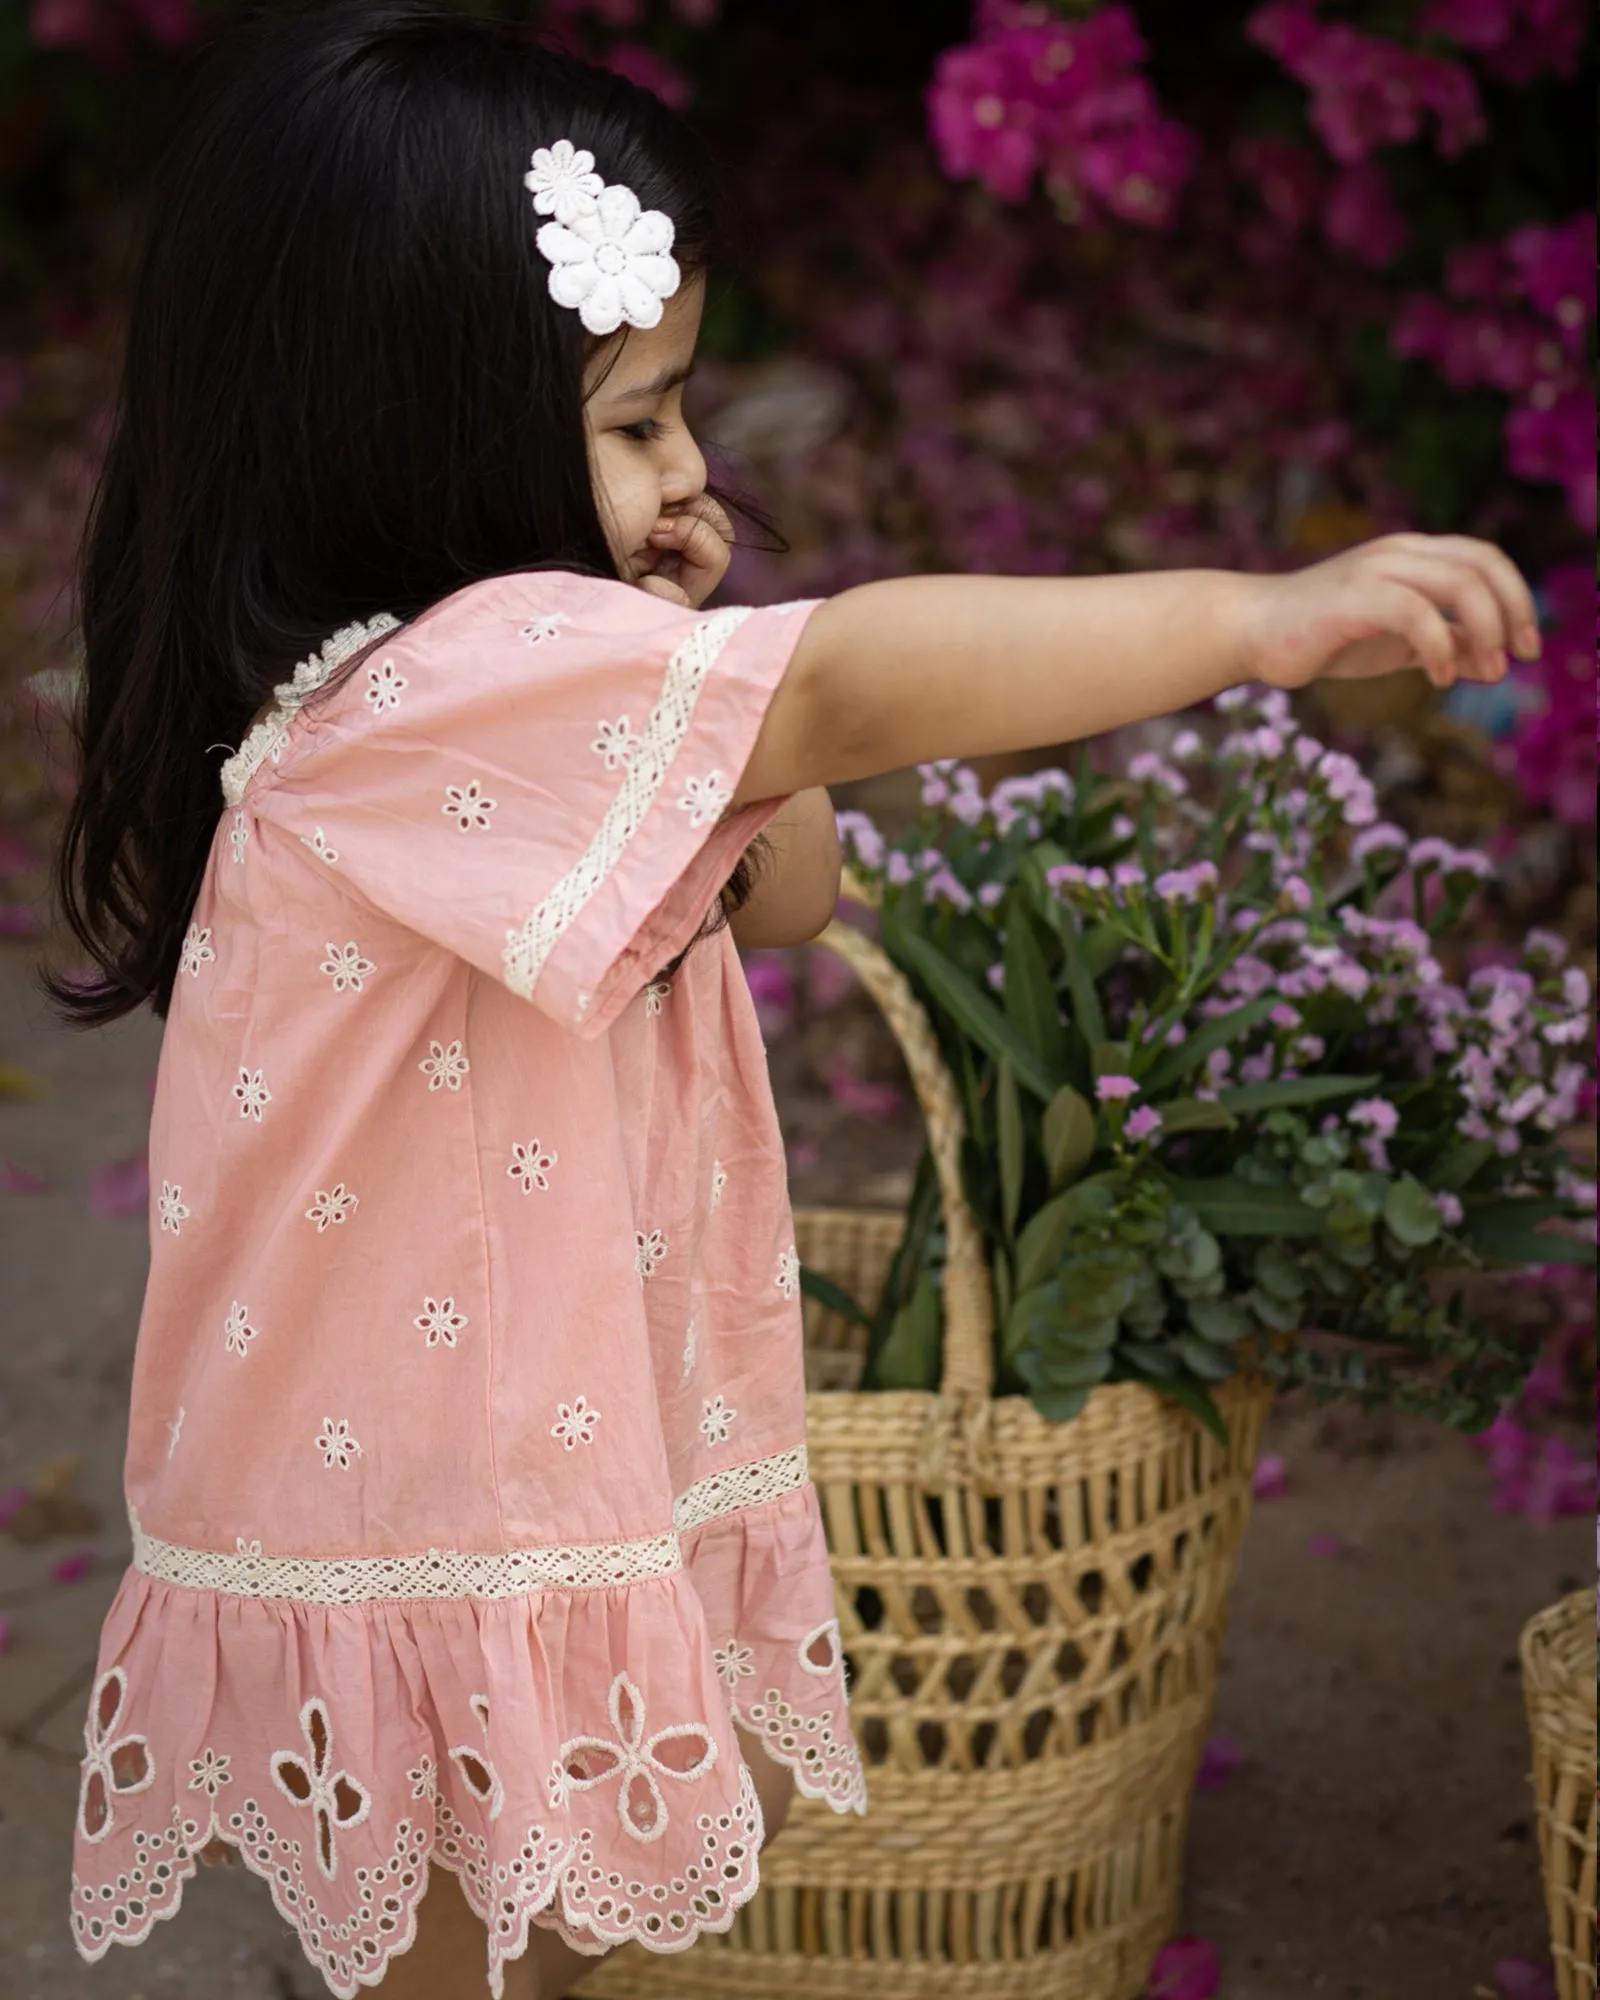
{"points": [[609, 258]]}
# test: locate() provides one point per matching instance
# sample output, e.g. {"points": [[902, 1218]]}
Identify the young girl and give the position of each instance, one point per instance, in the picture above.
{"points": [[472, 1536]]}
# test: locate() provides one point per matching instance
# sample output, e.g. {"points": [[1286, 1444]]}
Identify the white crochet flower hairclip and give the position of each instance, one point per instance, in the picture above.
{"points": [[609, 258]]}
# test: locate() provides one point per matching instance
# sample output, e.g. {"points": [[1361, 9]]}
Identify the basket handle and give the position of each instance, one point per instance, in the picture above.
{"points": [[968, 1300]]}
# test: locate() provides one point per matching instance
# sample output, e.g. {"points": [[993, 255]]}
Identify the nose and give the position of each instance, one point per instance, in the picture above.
{"points": [[684, 477]]}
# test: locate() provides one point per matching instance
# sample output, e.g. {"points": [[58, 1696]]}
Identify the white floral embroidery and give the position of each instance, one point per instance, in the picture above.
{"points": [[444, 1067], [331, 1205], [439, 1320], [530, 1166], [346, 967], [318, 843], [563, 182], [424, 1778], [548, 626], [655, 996], [616, 742], [796, 605], [175, 1430], [558, 1788], [641, 1808], [719, 1180], [717, 1421], [208, 1773], [733, 1663], [266, 739], [384, 684], [788, 1279], [196, 950], [112, 1764], [691, 1344], [827, 1636], [238, 1333], [239, 835], [337, 1800], [337, 1446], [575, 1422], [252, 1094], [704, 798], [467, 805], [245, 1548], [648, 1252], [480, 1776], [172, 1208]]}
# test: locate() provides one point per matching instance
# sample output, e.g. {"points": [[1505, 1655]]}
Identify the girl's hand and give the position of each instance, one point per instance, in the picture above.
{"points": [[691, 549], [1450, 604]]}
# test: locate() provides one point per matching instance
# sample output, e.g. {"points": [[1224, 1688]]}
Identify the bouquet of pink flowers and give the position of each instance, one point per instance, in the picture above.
{"points": [[1223, 1102]]}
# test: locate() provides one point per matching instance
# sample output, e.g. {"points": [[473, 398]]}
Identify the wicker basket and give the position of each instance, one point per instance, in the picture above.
{"points": [[1558, 1684], [1032, 1614]]}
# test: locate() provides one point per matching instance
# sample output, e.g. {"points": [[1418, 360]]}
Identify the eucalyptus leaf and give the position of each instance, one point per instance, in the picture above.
{"points": [[1150, 1357], [1411, 1213], [1282, 1315], [1218, 1320], [1047, 1233], [1060, 1406], [1202, 1358], [1069, 1131], [976, 1015], [1059, 1369], [1279, 1273]]}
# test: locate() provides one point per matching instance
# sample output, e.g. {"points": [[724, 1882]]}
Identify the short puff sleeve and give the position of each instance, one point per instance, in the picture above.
{"points": [[533, 775]]}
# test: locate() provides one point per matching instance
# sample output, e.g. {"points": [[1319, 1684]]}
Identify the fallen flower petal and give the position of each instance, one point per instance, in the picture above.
{"points": [[122, 1189], [878, 1101], [12, 1501], [20, 920], [5, 1633], [73, 1568], [1218, 1762], [1328, 1545], [1271, 1479], [18, 1180], [1185, 1969], [1521, 1979], [804, 1155]]}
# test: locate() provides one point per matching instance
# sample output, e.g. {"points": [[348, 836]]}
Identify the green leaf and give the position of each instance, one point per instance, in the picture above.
{"points": [[1411, 1213], [1191, 1397], [833, 1296], [1459, 1163], [1218, 1320], [1086, 1008], [1060, 1406], [976, 1015], [1045, 1236], [1068, 1135], [1008, 1121], [1062, 1370], [1029, 994], [1217, 1034], [1192, 1114], [1233, 1207], [1202, 1358], [1282, 1315], [1150, 1357], [1294, 1090], [910, 1356], [1278, 1272], [1511, 1244], [1000, 1272]]}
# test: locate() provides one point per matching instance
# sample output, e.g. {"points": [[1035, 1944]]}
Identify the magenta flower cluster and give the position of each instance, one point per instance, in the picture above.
{"points": [[1035, 94]]}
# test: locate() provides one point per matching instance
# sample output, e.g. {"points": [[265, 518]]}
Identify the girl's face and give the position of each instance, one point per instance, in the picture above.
{"points": [[645, 463]]}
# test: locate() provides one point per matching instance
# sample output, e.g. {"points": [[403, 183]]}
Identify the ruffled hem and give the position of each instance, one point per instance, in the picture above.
{"points": [[569, 1754]]}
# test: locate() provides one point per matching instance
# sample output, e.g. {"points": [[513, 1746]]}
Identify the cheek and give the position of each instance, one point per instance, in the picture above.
{"points": [[629, 490]]}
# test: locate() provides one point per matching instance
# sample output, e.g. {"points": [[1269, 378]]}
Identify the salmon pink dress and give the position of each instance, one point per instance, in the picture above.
{"points": [[466, 1464]]}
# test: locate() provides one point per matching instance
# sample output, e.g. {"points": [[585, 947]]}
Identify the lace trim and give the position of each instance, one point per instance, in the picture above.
{"points": [[266, 739], [456, 1573], [528, 949]]}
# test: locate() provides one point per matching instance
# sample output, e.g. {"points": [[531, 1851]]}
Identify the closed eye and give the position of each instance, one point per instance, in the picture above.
{"points": [[644, 433]]}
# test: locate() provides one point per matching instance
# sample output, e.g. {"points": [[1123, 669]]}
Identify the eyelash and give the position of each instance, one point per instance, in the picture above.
{"points": [[644, 433]]}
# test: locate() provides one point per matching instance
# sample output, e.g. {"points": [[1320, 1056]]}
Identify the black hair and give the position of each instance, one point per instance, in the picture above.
{"points": [[345, 390]]}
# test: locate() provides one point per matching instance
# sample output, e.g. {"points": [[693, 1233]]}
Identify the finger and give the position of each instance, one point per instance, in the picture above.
{"points": [[659, 586], [704, 548], [1396, 607], [1499, 572], [1464, 591]]}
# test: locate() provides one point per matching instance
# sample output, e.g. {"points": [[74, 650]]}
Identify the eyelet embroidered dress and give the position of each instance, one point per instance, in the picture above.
{"points": [[466, 1464]]}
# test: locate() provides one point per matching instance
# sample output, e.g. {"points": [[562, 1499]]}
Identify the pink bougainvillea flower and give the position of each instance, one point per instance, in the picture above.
{"points": [[73, 1568], [18, 1180], [121, 1191], [1521, 1979], [772, 989], [1185, 1969], [877, 1101], [1271, 1479], [1329, 1546], [650, 72], [828, 980], [1362, 218], [1219, 1761]]}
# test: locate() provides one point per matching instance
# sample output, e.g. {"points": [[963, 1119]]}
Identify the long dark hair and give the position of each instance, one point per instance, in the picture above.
{"points": [[345, 390]]}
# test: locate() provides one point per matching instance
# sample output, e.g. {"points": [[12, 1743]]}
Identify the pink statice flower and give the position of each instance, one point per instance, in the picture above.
{"points": [[1115, 1089], [1143, 1124], [1377, 1114]]}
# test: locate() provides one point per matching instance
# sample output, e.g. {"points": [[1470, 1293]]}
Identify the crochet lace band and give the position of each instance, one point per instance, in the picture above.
{"points": [[454, 1573]]}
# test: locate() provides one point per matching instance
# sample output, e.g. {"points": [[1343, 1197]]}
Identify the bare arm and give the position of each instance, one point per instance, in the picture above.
{"points": [[797, 882], [916, 668]]}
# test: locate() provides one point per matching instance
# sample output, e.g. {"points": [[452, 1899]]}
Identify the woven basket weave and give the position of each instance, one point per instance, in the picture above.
{"points": [[1032, 1614], [1558, 1684]]}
